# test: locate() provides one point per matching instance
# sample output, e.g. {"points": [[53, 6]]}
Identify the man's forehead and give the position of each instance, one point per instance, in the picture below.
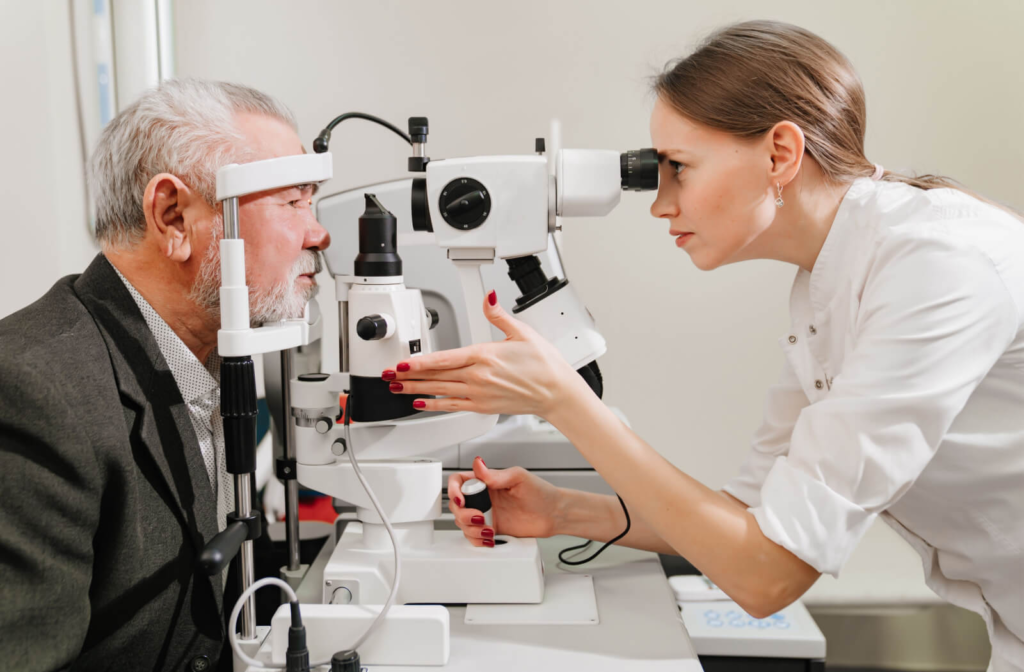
{"points": [[268, 137]]}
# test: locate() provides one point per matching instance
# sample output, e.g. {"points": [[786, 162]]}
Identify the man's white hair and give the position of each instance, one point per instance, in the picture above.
{"points": [[185, 127]]}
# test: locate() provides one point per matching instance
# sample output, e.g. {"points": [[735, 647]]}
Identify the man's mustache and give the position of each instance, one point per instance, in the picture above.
{"points": [[308, 262]]}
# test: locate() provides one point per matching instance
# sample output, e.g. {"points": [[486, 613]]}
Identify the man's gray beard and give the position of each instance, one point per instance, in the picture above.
{"points": [[282, 301]]}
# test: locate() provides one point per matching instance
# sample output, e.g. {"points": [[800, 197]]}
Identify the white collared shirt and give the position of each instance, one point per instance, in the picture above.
{"points": [[902, 394], [200, 389]]}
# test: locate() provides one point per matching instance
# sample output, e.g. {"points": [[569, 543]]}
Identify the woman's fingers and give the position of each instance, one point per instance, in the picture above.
{"points": [[473, 525], [497, 316], [455, 482], [432, 387], [456, 358], [448, 405]]}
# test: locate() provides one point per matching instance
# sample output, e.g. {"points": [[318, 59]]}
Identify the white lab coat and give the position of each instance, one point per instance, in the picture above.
{"points": [[902, 394]]}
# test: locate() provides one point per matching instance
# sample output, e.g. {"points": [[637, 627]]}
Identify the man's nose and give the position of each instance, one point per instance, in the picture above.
{"points": [[317, 237]]}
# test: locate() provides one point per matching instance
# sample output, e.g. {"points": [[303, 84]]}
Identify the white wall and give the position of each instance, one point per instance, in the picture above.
{"points": [[690, 353], [42, 222]]}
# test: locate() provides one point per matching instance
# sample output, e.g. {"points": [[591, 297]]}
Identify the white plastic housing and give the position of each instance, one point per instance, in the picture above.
{"points": [[589, 182], [408, 635], [405, 309], [517, 223], [234, 179], [413, 436], [406, 489], [563, 320], [447, 570]]}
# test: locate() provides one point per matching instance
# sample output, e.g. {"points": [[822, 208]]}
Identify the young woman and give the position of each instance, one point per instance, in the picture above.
{"points": [[903, 387]]}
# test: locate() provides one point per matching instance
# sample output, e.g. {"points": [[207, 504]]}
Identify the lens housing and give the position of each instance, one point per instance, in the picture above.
{"points": [[639, 170]]}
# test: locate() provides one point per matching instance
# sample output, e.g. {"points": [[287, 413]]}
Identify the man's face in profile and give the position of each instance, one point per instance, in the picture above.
{"points": [[281, 235]]}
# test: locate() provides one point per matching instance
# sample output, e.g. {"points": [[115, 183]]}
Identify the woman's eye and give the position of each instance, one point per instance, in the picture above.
{"points": [[296, 203], [676, 167]]}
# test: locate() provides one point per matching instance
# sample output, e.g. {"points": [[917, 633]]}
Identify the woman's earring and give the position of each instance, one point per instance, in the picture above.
{"points": [[778, 201]]}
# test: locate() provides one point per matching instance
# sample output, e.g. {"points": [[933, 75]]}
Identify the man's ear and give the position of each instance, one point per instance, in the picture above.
{"points": [[786, 145], [166, 204]]}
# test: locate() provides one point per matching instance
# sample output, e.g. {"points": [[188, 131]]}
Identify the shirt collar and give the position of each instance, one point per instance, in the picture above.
{"points": [[194, 380], [831, 266]]}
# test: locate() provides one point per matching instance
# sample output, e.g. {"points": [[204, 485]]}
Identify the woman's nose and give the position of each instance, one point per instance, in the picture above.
{"points": [[664, 206]]}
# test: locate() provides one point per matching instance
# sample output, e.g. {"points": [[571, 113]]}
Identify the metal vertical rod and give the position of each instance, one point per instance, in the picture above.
{"points": [[291, 493], [343, 333], [243, 504], [231, 218]]}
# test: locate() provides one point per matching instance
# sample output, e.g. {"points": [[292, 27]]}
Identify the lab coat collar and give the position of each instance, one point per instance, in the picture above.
{"points": [[840, 247]]}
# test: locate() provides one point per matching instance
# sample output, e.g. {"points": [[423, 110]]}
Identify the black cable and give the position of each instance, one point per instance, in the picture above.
{"points": [[322, 140], [574, 563]]}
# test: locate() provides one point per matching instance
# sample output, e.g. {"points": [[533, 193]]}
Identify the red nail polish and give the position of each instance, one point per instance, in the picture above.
{"points": [[477, 520], [419, 403], [488, 533], [481, 460], [489, 543], [396, 387], [388, 375], [458, 501], [492, 298], [403, 367]]}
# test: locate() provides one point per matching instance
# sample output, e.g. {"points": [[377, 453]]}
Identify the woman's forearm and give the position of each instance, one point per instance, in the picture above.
{"points": [[714, 532], [600, 517]]}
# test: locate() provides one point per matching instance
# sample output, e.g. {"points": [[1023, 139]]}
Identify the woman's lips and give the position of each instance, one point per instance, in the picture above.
{"points": [[682, 238]]}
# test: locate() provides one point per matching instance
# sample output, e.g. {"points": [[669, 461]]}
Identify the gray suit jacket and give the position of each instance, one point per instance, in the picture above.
{"points": [[105, 501]]}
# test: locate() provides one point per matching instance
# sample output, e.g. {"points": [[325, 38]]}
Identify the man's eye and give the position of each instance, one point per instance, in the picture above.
{"points": [[298, 203], [676, 167]]}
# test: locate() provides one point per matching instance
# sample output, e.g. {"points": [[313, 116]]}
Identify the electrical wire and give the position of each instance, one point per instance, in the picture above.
{"points": [[322, 141], [233, 621], [585, 545], [350, 449]]}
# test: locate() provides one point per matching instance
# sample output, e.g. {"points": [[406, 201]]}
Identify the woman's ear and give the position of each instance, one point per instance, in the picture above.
{"points": [[165, 204], [786, 145]]}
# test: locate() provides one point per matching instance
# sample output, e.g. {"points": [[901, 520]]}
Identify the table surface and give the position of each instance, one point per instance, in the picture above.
{"points": [[640, 627]]}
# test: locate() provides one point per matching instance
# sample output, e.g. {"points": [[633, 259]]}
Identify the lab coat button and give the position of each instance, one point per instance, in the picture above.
{"points": [[812, 330], [792, 339], [818, 384]]}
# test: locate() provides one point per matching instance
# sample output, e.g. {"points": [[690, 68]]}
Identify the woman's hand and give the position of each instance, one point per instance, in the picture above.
{"points": [[522, 505], [522, 375]]}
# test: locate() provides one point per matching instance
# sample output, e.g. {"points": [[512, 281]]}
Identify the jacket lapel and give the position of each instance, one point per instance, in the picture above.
{"points": [[155, 413]]}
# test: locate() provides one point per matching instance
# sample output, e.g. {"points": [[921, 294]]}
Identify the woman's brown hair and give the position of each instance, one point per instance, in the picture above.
{"points": [[747, 77]]}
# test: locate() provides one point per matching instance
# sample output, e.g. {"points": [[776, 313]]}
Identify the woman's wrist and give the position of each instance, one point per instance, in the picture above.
{"points": [[570, 399], [582, 514]]}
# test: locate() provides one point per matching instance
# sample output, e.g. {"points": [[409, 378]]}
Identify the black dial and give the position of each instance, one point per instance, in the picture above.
{"points": [[372, 328], [465, 203]]}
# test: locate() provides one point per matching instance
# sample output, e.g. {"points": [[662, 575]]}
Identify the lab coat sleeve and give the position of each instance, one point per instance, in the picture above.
{"points": [[49, 512], [782, 407], [933, 319]]}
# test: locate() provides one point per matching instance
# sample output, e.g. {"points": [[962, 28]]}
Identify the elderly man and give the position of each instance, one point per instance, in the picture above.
{"points": [[111, 446]]}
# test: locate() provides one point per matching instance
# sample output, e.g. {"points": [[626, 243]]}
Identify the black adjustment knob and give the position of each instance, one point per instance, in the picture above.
{"points": [[345, 661], [372, 328], [465, 203], [434, 317], [421, 206], [538, 145], [419, 127]]}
